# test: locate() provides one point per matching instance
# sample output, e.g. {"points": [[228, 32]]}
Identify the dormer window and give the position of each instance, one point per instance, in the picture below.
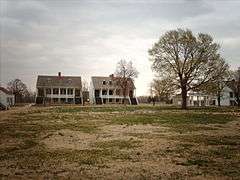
{"points": [[49, 80], [69, 81], [104, 82]]}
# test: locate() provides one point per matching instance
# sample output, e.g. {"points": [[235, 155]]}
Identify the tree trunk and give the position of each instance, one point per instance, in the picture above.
{"points": [[219, 100], [153, 101], [238, 100], [184, 97], [238, 93], [15, 98]]}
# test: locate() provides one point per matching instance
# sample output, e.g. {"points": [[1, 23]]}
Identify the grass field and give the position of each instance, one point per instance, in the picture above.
{"points": [[120, 142]]}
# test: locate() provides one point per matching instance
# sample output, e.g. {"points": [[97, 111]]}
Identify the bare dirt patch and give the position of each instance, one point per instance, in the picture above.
{"points": [[68, 139]]}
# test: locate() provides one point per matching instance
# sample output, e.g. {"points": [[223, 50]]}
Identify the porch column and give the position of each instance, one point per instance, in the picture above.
{"points": [[74, 89], [59, 96]]}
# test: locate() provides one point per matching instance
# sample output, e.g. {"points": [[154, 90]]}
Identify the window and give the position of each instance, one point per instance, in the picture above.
{"points": [[70, 91], [118, 91], [55, 100], [62, 91], [117, 100], [40, 92], [213, 102], [48, 91], [63, 100], [110, 83], [97, 93], [104, 92], [77, 92], [48, 100], [104, 82], [55, 91], [110, 92], [110, 100], [231, 94], [104, 100], [69, 81], [70, 100], [49, 80]]}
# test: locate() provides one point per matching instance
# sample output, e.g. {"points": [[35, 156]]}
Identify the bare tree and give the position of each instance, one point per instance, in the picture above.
{"points": [[216, 86], [125, 74], [85, 91], [235, 85], [18, 88], [85, 86], [163, 88], [190, 61]]}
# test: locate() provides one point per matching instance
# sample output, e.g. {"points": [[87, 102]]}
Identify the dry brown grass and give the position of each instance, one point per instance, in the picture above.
{"points": [[140, 142]]}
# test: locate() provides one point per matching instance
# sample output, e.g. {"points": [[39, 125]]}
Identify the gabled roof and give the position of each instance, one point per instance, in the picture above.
{"points": [[231, 84], [59, 81], [97, 82], [5, 91]]}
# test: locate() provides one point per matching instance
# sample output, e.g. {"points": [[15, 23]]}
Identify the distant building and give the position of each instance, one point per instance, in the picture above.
{"points": [[228, 97], [105, 90], [59, 89], [202, 99], [7, 99]]}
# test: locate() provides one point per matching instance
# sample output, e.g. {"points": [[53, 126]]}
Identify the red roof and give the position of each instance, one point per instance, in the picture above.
{"points": [[5, 90]]}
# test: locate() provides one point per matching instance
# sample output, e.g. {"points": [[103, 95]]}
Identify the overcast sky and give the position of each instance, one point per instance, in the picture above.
{"points": [[88, 38]]}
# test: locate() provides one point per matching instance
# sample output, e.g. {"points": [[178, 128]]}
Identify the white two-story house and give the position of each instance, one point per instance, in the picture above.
{"points": [[105, 90], [59, 89]]}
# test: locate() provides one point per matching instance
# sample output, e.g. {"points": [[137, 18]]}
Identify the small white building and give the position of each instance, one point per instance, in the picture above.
{"points": [[199, 99], [227, 97], [202, 99], [7, 99], [193, 99]]}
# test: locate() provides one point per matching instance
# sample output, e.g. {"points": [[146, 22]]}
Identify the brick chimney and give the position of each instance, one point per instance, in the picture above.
{"points": [[59, 74]]}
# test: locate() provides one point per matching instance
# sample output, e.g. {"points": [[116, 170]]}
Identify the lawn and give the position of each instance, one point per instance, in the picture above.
{"points": [[120, 142]]}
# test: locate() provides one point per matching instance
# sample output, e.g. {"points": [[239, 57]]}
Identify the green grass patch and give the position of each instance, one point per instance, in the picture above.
{"points": [[32, 159], [220, 156], [129, 108], [113, 108], [174, 118]]}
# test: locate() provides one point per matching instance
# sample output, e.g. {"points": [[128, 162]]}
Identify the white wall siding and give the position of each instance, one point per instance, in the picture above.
{"points": [[91, 94], [6, 99], [225, 98]]}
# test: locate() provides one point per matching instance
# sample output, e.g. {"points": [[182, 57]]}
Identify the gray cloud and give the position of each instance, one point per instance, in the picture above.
{"points": [[89, 37]]}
